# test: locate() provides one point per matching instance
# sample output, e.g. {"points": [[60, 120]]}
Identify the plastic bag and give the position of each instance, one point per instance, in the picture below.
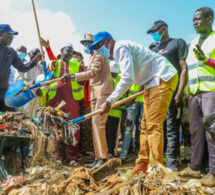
{"points": [[208, 123]]}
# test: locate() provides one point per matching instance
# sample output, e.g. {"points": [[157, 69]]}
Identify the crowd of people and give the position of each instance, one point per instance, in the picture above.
{"points": [[179, 89]]}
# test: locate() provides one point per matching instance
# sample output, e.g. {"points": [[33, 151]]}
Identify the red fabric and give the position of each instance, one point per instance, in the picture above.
{"points": [[211, 63], [50, 54], [87, 94], [64, 92], [65, 152]]}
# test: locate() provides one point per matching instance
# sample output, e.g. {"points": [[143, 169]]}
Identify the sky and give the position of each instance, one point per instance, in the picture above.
{"points": [[66, 21]]}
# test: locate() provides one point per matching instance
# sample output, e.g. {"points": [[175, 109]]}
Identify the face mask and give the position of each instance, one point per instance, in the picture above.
{"points": [[156, 36], [21, 55], [74, 59], [104, 52], [86, 50]]}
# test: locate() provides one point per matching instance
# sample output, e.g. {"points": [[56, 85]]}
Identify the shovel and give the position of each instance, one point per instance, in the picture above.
{"points": [[90, 115], [15, 97]]}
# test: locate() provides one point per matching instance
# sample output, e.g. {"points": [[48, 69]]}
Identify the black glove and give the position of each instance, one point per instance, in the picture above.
{"points": [[39, 93], [67, 77]]}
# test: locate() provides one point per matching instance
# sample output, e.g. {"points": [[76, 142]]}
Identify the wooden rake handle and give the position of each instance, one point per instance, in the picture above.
{"points": [[87, 116]]}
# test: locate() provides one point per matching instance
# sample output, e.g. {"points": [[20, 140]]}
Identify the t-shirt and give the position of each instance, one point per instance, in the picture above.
{"points": [[139, 65], [173, 50]]}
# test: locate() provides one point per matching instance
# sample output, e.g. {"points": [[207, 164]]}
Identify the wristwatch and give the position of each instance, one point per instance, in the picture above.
{"points": [[108, 103], [73, 77]]}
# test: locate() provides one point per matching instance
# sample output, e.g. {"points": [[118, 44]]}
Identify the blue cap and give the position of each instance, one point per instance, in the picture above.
{"points": [[99, 37], [5, 28]]}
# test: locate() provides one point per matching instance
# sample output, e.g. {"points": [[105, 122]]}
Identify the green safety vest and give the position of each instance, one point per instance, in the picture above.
{"points": [[133, 90], [77, 89], [117, 111], [201, 76]]}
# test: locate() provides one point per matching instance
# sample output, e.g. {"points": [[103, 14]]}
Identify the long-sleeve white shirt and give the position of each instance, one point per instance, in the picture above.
{"points": [[139, 65]]}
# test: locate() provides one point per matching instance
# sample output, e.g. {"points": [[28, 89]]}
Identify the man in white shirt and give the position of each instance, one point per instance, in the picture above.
{"points": [[141, 66]]}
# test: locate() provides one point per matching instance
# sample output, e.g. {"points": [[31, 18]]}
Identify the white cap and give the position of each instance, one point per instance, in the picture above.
{"points": [[66, 45], [113, 67]]}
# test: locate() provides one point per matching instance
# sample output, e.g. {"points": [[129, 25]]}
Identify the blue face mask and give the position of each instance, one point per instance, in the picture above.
{"points": [[156, 36], [21, 55], [74, 59], [86, 50], [104, 51]]}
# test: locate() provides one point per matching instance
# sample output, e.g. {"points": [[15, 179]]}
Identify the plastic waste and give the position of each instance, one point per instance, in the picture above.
{"points": [[207, 190], [195, 183], [56, 179], [169, 177], [127, 176], [208, 122], [35, 171]]}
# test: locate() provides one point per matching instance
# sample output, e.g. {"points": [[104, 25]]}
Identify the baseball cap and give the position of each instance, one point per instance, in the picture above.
{"points": [[156, 24], [87, 38], [5, 28], [99, 37]]}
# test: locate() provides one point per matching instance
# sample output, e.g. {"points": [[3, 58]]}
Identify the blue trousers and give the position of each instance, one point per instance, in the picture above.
{"points": [[132, 113]]}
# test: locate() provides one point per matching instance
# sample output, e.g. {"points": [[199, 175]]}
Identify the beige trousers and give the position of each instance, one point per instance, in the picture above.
{"points": [[156, 103], [98, 128]]}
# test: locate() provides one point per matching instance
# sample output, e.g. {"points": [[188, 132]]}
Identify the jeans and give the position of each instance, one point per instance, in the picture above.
{"points": [[172, 133], [132, 113]]}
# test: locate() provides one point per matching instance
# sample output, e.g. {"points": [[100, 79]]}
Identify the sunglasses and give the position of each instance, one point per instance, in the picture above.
{"points": [[9, 36]]}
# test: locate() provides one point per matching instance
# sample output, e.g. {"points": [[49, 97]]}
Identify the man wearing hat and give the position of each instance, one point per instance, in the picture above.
{"points": [[8, 57], [71, 93], [101, 86], [175, 51], [139, 65]]}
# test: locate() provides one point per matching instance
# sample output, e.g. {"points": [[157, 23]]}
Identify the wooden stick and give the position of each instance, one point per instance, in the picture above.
{"points": [[38, 30], [50, 81], [32, 107], [117, 136], [87, 116]]}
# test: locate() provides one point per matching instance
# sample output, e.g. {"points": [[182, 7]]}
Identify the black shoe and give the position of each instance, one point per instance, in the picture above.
{"points": [[90, 158], [185, 161], [110, 156], [90, 165], [99, 163], [171, 166]]}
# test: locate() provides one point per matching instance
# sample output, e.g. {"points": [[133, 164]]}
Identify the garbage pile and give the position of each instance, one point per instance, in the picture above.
{"points": [[15, 124], [18, 124], [56, 122], [46, 181]]}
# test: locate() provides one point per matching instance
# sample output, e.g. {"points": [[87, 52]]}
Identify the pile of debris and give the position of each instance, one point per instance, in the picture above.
{"points": [[15, 124], [18, 124], [46, 181]]}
